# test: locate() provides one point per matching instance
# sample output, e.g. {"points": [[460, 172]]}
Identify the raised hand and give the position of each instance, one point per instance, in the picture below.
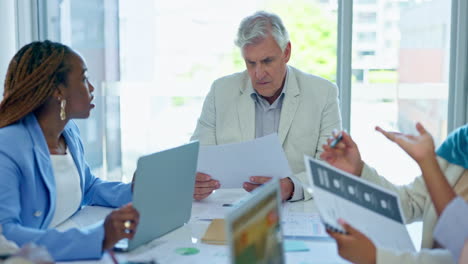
{"points": [[345, 155], [419, 147]]}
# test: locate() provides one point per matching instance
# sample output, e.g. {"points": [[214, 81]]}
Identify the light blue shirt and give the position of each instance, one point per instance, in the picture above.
{"points": [[267, 119], [451, 230]]}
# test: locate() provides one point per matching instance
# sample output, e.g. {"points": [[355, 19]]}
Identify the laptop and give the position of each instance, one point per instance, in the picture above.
{"points": [[163, 193], [253, 227]]}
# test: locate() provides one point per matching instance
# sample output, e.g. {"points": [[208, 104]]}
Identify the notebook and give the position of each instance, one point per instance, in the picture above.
{"points": [[163, 193], [253, 227], [371, 209]]}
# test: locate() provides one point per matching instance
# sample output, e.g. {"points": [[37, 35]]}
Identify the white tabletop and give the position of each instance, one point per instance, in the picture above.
{"points": [[163, 249]]}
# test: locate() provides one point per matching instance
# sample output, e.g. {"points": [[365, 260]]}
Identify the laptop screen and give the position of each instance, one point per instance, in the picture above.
{"points": [[253, 228], [169, 173]]}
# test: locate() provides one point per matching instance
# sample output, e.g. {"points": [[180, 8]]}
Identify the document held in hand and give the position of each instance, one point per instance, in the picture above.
{"points": [[369, 208], [233, 164]]}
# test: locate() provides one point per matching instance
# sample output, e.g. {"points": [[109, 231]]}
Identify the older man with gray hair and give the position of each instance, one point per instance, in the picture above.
{"points": [[269, 97]]}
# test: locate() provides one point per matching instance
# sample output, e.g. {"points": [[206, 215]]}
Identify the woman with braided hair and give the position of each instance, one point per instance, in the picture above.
{"points": [[44, 178]]}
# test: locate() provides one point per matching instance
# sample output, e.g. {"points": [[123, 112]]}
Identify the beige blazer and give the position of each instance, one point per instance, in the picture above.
{"points": [[464, 254], [309, 114], [417, 205]]}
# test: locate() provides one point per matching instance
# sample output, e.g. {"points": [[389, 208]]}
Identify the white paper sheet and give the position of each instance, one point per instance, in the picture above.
{"points": [[369, 208], [322, 252], [167, 253], [233, 164], [301, 225], [218, 204]]}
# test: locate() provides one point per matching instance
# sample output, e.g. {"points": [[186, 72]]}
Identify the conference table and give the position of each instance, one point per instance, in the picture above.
{"points": [[184, 245]]}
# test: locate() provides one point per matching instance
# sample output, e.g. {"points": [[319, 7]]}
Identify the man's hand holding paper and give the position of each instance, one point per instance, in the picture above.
{"points": [[287, 186], [247, 164], [204, 186]]}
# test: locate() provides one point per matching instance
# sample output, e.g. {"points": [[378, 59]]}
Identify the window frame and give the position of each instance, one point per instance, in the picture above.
{"points": [[458, 72]]}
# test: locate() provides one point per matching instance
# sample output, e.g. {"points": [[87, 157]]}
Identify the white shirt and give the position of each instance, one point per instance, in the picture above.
{"points": [[6, 247], [67, 185]]}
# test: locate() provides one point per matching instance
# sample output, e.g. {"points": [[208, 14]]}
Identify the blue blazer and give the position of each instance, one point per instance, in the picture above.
{"points": [[28, 194]]}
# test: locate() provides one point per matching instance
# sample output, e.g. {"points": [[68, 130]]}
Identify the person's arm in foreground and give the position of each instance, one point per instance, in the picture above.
{"points": [[346, 156], [421, 149], [452, 228], [71, 244], [357, 248], [354, 246]]}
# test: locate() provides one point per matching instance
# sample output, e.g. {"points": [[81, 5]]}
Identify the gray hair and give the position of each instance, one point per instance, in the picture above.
{"points": [[256, 27]]}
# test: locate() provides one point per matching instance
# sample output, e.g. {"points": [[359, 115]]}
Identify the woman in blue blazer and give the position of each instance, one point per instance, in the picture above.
{"points": [[45, 87]]}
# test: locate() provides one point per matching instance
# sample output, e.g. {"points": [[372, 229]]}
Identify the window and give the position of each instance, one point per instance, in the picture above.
{"points": [[162, 76], [187, 47], [367, 17], [152, 85], [91, 28], [388, 44], [369, 37], [364, 2], [8, 43], [403, 83], [388, 24], [407, 81], [366, 53]]}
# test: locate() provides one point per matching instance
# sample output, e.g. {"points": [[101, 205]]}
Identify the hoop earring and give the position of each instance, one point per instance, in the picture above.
{"points": [[63, 115]]}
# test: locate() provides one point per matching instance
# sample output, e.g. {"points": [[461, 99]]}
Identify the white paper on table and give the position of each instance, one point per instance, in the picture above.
{"points": [[233, 164], [167, 253], [369, 208], [302, 221], [303, 225], [218, 204], [323, 252]]}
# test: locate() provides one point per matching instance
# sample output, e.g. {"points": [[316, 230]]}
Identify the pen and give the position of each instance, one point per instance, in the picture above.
{"points": [[336, 140]]}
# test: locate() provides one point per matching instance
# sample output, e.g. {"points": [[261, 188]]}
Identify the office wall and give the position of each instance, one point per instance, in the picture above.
{"points": [[7, 38]]}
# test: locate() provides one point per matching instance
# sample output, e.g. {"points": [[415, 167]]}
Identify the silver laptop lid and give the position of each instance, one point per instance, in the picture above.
{"points": [[253, 227], [163, 191]]}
